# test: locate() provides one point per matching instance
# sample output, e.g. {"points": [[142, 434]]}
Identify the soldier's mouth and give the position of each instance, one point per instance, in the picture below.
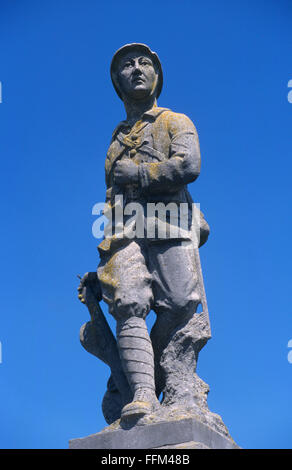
{"points": [[138, 80]]}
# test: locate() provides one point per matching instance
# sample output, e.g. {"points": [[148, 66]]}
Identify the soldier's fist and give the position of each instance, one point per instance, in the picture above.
{"points": [[89, 290], [126, 172]]}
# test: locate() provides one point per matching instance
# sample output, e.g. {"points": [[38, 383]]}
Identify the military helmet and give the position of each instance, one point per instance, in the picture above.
{"points": [[144, 49]]}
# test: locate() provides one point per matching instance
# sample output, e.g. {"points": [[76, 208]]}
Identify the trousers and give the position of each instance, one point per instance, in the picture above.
{"points": [[140, 276]]}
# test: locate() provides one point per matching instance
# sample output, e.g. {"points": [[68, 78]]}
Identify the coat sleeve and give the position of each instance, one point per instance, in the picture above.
{"points": [[181, 165]]}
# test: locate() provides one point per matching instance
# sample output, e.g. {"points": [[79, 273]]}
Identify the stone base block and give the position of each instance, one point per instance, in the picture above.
{"points": [[187, 433]]}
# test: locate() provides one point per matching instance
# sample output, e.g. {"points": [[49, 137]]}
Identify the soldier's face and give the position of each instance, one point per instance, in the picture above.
{"points": [[137, 76]]}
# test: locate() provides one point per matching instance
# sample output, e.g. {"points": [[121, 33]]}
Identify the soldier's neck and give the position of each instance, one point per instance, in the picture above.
{"points": [[136, 109]]}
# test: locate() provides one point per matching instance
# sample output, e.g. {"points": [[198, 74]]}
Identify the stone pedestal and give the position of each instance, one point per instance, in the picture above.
{"points": [[180, 433]]}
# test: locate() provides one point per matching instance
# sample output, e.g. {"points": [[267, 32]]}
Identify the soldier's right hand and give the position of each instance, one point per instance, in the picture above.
{"points": [[126, 172], [89, 290]]}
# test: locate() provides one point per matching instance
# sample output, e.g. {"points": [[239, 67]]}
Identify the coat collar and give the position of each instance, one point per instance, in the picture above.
{"points": [[152, 113]]}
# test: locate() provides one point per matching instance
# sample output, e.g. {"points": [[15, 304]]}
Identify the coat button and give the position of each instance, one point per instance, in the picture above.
{"points": [[133, 152]]}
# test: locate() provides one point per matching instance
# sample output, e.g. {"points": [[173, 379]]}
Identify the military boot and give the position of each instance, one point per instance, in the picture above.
{"points": [[136, 355]]}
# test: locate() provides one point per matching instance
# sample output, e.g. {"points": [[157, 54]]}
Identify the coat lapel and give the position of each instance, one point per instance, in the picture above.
{"points": [[121, 142]]}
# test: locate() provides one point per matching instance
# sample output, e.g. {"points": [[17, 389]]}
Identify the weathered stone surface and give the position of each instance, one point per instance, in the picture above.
{"points": [[185, 433], [185, 445]]}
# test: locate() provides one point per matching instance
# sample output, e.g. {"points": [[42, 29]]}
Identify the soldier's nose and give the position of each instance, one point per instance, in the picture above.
{"points": [[137, 68]]}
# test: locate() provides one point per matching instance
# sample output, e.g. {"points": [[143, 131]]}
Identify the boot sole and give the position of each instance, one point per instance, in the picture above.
{"points": [[136, 408]]}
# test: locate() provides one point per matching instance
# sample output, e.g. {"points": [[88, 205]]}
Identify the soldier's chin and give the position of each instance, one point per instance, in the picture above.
{"points": [[139, 92]]}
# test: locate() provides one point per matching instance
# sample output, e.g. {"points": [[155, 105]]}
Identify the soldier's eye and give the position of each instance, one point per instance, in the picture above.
{"points": [[127, 64]]}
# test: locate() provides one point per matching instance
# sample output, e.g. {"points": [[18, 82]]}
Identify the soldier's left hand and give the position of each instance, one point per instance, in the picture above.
{"points": [[89, 290], [126, 172]]}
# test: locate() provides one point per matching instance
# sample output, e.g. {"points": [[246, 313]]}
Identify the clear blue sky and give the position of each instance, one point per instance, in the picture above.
{"points": [[226, 65]]}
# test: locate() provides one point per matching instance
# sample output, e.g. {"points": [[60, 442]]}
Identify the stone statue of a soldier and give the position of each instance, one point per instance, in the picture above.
{"points": [[154, 398], [154, 154]]}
